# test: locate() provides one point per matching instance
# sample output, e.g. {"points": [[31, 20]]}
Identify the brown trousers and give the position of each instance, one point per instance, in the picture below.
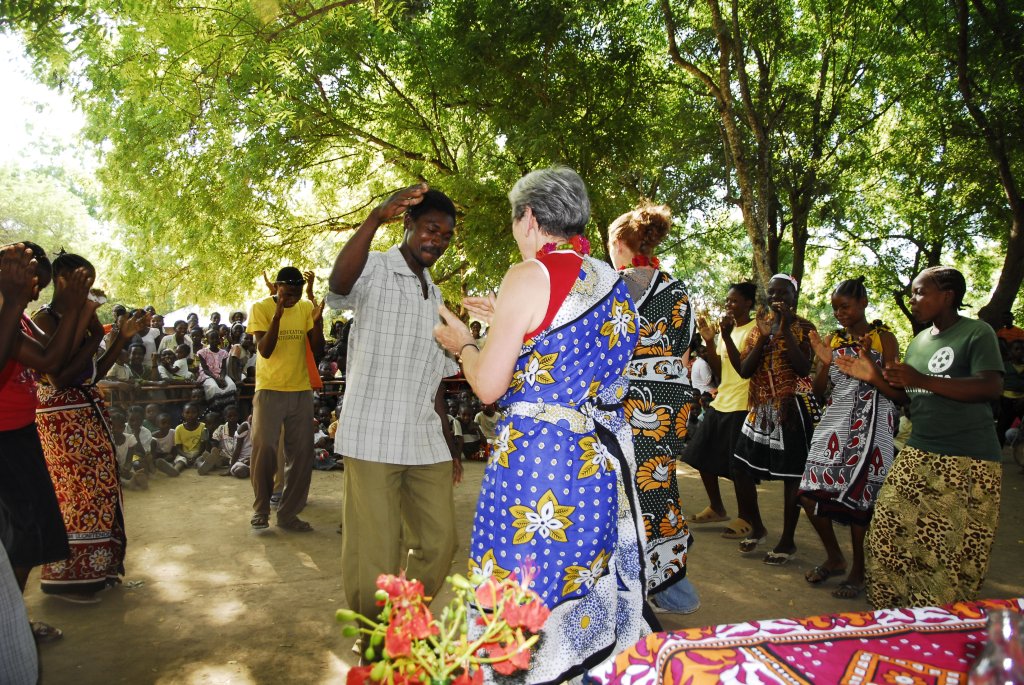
{"points": [[272, 413], [377, 499]]}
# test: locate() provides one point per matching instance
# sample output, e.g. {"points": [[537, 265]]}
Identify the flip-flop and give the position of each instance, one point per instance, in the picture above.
{"points": [[749, 545], [709, 515], [773, 558], [738, 529], [847, 591], [44, 632], [819, 574], [259, 522]]}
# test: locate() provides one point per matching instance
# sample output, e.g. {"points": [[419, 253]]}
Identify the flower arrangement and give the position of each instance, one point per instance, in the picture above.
{"points": [[407, 644]]}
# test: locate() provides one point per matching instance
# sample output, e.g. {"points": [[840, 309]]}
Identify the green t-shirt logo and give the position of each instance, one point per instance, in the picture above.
{"points": [[941, 360]]}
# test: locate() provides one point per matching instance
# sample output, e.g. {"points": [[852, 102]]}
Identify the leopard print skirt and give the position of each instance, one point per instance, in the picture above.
{"points": [[932, 531]]}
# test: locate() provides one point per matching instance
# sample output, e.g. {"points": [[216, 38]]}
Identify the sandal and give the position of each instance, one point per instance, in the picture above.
{"points": [[848, 591], [774, 558], [819, 574], [738, 529], [296, 525], [44, 632], [749, 545], [709, 515], [259, 521]]}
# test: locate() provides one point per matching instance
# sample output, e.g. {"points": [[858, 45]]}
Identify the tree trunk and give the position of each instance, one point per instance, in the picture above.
{"points": [[999, 148], [1011, 277]]}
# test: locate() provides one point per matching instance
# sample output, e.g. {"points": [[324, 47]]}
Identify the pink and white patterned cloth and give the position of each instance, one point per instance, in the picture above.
{"points": [[924, 646]]}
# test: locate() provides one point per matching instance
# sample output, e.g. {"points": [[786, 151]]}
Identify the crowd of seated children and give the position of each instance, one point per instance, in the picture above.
{"points": [[218, 358]]}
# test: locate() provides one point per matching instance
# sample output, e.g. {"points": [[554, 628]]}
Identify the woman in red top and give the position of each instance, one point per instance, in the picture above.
{"points": [[36, 529], [18, 287]]}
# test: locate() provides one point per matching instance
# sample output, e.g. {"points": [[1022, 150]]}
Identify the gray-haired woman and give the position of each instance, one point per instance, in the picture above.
{"points": [[562, 330]]}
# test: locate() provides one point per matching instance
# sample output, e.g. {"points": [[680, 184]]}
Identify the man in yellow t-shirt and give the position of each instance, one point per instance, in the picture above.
{"points": [[286, 328]]}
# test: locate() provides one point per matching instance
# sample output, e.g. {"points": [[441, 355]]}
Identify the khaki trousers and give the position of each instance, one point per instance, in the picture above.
{"points": [[377, 498], [272, 413]]}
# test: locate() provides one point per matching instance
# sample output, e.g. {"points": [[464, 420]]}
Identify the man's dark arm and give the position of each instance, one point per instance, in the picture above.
{"points": [[350, 262]]}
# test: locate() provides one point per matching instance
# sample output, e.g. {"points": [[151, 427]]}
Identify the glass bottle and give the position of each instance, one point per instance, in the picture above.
{"points": [[1002, 660]]}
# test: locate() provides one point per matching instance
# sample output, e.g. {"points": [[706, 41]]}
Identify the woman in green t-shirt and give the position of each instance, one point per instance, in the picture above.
{"points": [[936, 515]]}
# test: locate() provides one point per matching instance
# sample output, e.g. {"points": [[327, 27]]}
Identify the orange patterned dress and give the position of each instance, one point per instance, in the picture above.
{"points": [[75, 432]]}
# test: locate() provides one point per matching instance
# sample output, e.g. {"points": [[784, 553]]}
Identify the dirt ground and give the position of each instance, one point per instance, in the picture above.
{"points": [[207, 600]]}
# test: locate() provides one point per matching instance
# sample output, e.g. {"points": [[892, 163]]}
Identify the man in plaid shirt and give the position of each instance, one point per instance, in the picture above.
{"points": [[392, 428]]}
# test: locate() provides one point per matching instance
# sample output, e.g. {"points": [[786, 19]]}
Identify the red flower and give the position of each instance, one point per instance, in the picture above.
{"points": [[397, 642], [398, 587], [521, 658], [465, 679], [580, 244], [530, 616], [357, 675], [489, 594], [516, 661], [414, 619]]}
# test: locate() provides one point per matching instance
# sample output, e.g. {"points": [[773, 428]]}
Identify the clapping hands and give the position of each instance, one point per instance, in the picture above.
{"points": [[480, 308], [19, 284], [822, 348]]}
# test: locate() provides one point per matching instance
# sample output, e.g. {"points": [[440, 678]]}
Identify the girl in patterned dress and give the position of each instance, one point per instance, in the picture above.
{"points": [[777, 432], [659, 400], [852, 448], [75, 431], [554, 496]]}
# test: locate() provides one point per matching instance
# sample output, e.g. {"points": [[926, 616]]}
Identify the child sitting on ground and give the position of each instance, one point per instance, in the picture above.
{"points": [[197, 398], [191, 440], [472, 437], [142, 436], [129, 454], [163, 446], [223, 440], [152, 413], [324, 458], [239, 464]]}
